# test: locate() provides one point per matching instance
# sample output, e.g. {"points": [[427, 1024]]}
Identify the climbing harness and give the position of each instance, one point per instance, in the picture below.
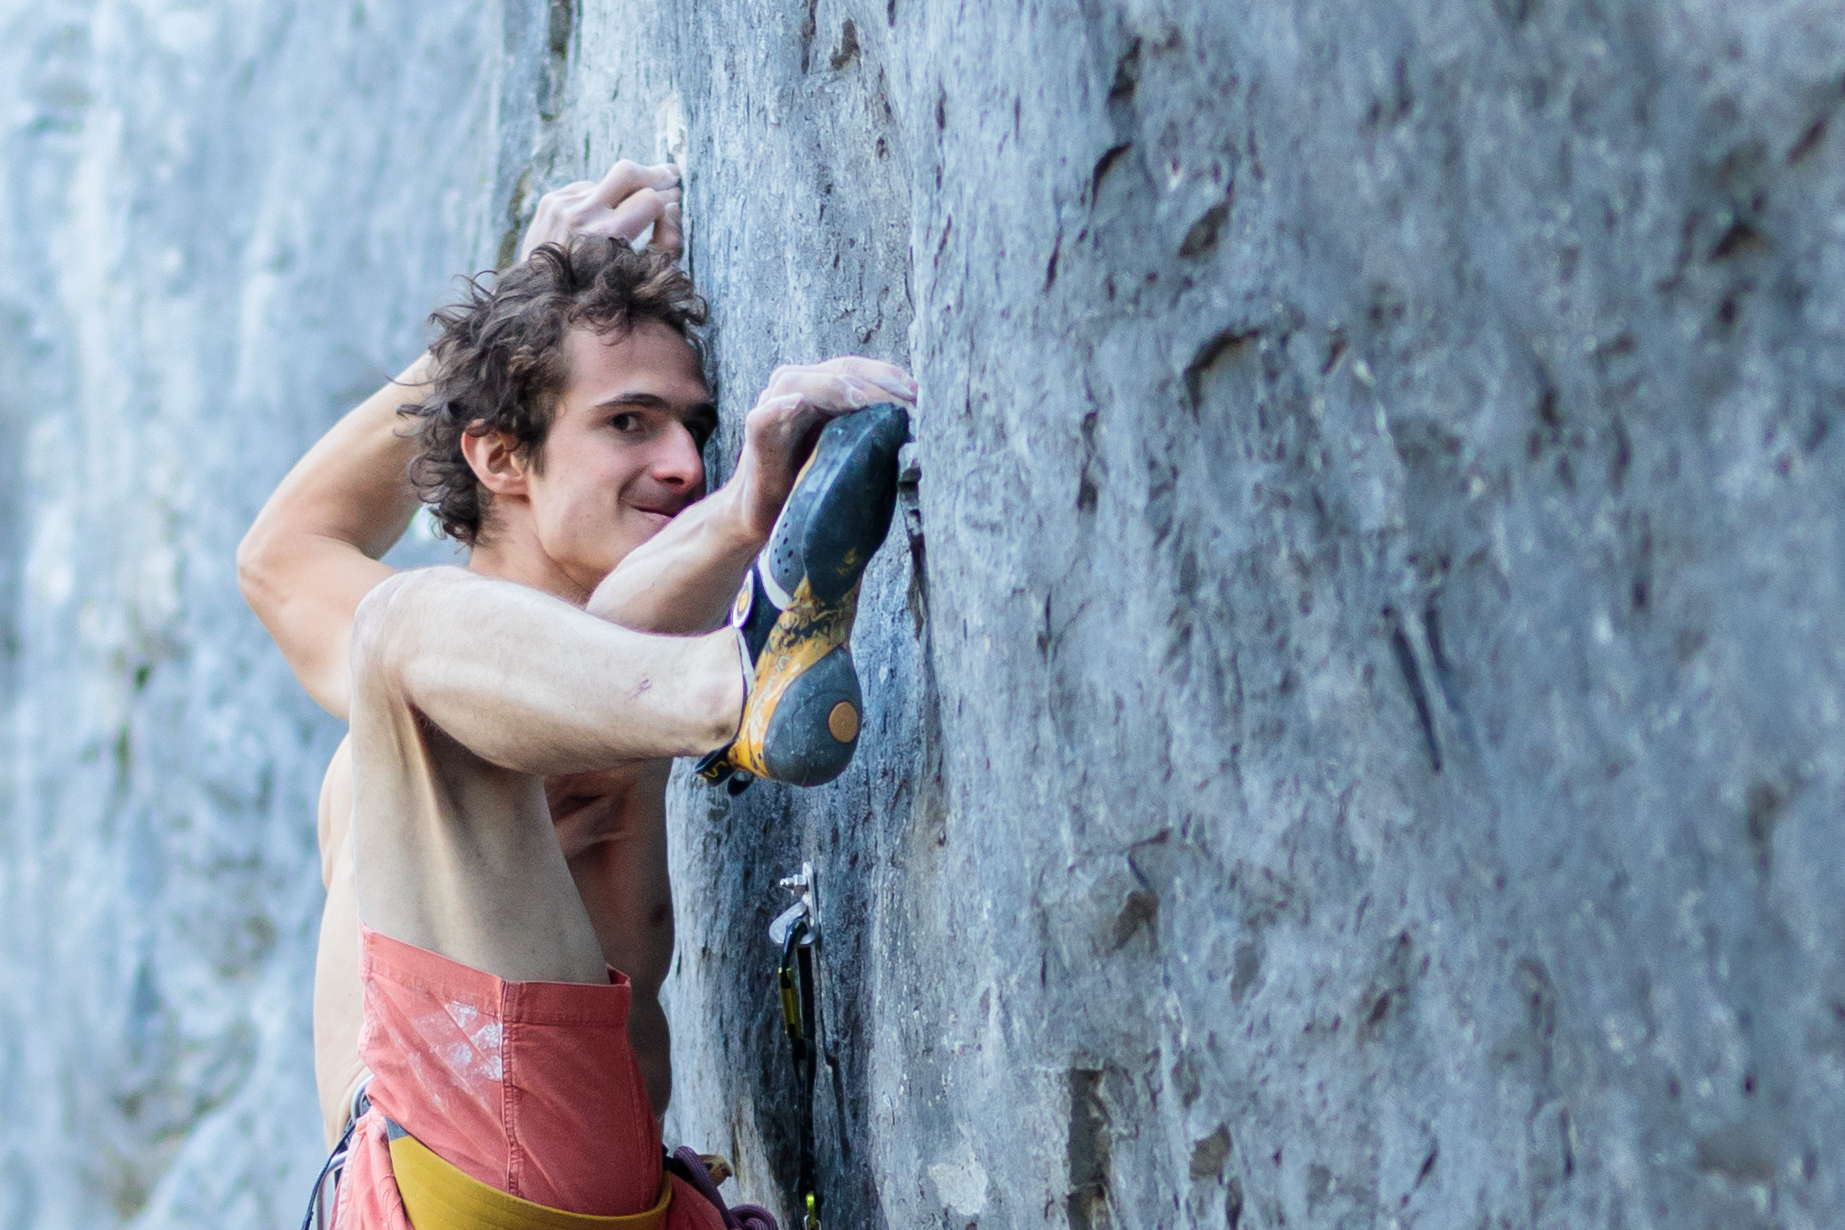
{"points": [[444, 1193], [795, 932], [690, 1166], [439, 1195], [326, 1187]]}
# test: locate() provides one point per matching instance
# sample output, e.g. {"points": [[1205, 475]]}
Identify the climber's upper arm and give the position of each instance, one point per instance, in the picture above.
{"points": [[305, 588], [312, 554]]}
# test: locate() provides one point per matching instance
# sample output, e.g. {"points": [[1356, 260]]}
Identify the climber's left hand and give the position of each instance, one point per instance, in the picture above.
{"points": [[779, 433], [628, 200]]}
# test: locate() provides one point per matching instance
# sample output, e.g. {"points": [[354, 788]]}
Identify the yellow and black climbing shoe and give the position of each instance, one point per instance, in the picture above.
{"points": [[794, 613]]}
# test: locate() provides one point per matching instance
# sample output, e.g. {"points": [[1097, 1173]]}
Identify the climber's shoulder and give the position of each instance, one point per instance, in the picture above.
{"points": [[400, 614]]}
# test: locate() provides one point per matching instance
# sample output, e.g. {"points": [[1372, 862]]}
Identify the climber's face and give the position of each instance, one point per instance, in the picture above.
{"points": [[624, 452], [622, 457]]}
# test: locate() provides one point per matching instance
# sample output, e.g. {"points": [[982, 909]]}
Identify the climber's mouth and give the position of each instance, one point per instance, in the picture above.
{"points": [[659, 516]]}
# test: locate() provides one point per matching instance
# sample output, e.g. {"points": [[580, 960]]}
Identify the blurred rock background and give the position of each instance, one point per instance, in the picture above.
{"points": [[1353, 729]]}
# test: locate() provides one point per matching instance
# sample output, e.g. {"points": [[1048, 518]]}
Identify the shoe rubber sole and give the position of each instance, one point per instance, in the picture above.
{"points": [[795, 612]]}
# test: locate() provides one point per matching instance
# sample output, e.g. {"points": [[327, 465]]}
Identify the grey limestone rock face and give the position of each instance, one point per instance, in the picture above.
{"points": [[1352, 722]]}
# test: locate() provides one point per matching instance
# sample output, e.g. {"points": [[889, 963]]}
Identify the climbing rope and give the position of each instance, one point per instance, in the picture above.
{"points": [[796, 978]]}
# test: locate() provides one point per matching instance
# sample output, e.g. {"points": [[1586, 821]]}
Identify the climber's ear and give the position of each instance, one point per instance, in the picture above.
{"points": [[498, 460]]}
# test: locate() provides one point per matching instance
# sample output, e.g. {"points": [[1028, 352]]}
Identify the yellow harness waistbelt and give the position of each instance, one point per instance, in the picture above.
{"points": [[437, 1196]]}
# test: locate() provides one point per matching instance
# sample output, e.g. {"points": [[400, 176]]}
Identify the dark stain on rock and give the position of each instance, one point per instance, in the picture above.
{"points": [[1808, 142], [1087, 1151], [516, 218], [1620, 346], [1445, 676], [1201, 238], [1246, 968], [1185, 1081], [1210, 1154], [1335, 350], [1162, 507], [1641, 591], [1540, 996], [1515, 13], [1728, 309], [809, 26], [1121, 92], [1127, 73], [847, 51], [1095, 470], [909, 502], [1428, 1167], [1623, 458], [1392, 109], [1138, 912], [124, 756], [1224, 346], [1396, 975], [1741, 239], [1412, 678], [1764, 806], [1817, 430], [1386, 308], [560, 26], [1106, 163], [1736, 1153]]}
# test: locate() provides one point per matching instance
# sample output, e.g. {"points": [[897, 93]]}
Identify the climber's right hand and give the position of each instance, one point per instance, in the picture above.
{"points": [[628, 200], [779, 433]]}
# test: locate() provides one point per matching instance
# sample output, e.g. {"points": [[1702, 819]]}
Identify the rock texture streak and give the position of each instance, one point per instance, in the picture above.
{"points": [[1353, 723]]}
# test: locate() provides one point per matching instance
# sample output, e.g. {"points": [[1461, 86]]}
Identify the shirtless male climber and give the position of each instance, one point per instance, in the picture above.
{"points": [[492, 828]]}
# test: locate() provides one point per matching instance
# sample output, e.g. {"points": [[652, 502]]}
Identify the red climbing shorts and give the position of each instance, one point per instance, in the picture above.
{"points": [[529, 1087]]}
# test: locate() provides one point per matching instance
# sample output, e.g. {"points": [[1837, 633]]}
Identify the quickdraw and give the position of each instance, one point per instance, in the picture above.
{"points": [[796, 931]]}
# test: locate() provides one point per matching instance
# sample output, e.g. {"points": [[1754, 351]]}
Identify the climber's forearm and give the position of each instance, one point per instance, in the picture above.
{"points": [[312, 553], [529, 682], [685, 577]]}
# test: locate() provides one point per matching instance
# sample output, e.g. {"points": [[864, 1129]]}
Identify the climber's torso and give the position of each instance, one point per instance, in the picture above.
{"points": [[608, 830]]}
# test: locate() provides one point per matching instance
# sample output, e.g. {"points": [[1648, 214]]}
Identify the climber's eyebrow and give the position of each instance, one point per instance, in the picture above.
{"points": [[653, 401]]}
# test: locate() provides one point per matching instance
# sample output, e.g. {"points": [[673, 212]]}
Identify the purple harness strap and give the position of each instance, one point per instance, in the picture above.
{"points": [[691, 1168]]}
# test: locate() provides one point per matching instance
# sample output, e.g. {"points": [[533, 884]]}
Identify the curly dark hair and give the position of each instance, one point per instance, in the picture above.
{"points": [[500, 360]]}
